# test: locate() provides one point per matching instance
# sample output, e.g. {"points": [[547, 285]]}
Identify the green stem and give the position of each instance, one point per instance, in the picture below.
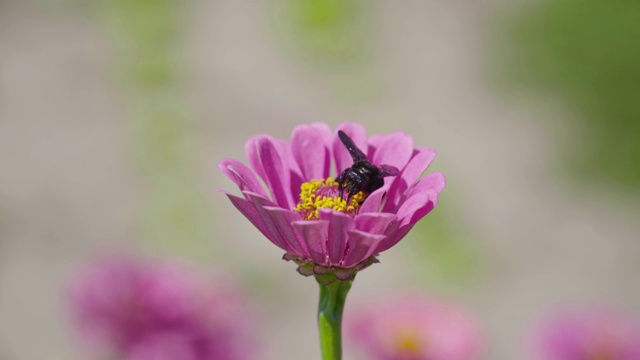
{"points": [[332, 298]]}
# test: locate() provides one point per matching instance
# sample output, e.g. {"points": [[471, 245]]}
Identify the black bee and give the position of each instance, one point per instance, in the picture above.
{"points": [[362, 175]]}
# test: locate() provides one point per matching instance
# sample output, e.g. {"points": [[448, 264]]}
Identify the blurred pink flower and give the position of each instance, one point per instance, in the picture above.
{"points": [[129, 309], [588, 334], [302, 211], [414, 328]]}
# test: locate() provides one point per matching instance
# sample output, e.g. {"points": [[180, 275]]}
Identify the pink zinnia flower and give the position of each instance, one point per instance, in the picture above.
{"points": [[414, 328], [125, 308], [302, 210], [588, 334]]}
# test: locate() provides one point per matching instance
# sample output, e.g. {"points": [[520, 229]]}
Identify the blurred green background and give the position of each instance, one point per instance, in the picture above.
{"points": [[584, 55], [114, 114]]}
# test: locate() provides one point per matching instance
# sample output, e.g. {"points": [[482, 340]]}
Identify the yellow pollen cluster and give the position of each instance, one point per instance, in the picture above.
{"points": [[311, 201]]}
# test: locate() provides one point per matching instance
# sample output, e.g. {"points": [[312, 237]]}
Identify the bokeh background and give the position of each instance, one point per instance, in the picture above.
{"points": [[114, 114]]}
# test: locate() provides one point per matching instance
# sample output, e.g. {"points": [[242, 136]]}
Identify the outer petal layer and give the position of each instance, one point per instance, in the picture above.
{"points": [[249, 210], [283, 219], [374, 200], [361, 246], [269, 163], [393, 149], [374, 223], [420, 160], [434, 181], [316, 235], [271, 226], [339, 225], [241, 175], [416, 207], [311, 148]]}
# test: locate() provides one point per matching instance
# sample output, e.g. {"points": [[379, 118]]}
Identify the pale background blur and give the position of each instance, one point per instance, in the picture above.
{"points": [[114, 114]]}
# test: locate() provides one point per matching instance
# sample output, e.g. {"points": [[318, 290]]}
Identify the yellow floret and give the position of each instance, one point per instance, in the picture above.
{"points": [[310, 202]]}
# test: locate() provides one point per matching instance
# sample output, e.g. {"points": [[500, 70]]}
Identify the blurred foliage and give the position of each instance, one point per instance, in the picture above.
{"points": [[442, 251], [150, 25], [333, 36], [177, 217], [360, 87], [327, 33], [148, 35], [588, 53], [164, 135]]}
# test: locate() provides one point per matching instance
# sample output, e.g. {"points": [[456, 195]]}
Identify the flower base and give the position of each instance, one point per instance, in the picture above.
{"points": [[326, 275]]}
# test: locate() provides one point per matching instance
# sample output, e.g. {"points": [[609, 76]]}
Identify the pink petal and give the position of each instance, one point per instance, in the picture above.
{"points": [[416, 207], [241, 175], [296, 184], [394, 149], [394, 234], [374, 223], [421, 159], [265, 201], [311, 148], [251, 151], [339, 224], [248, 209], [361, 246], [283, 219], [315, 234], [433, 181], [373, 142], [268, 162], [295, 175], [373, 201], [284, 149], [270, 224], [359, 136]]}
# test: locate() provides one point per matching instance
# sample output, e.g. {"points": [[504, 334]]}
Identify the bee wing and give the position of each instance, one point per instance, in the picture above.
{"points": [[388, 170], [355, 153]]}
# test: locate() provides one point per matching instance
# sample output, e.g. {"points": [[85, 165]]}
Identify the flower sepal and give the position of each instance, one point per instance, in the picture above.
{"points": [[326, 275]]}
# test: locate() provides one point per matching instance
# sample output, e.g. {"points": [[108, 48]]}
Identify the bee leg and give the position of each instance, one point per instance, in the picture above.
{"points": [[351, 193], [354, 188], [341, 182]]}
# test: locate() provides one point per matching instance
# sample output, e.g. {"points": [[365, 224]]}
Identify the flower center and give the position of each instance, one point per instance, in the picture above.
{"points": [[324, 194]]}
